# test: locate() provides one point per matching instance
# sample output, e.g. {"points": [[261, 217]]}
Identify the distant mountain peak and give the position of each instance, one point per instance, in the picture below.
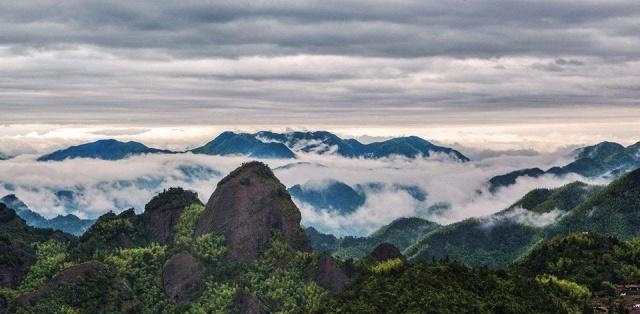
{"points": [[608, 159], [324, 142], [599, 151], [106, 149], [229, 144]]}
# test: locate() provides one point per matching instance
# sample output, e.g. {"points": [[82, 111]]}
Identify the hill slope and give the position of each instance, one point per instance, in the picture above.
{"points": [[542, 214], [506, 236], [401, 232]]}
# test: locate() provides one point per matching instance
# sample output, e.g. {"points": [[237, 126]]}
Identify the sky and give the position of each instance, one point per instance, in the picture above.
{"points": [[500, 74]]}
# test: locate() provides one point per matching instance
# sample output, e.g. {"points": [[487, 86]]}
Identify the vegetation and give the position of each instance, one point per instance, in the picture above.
{"points": [[445, 287], [500, 240], [50, 258], [174, 197], [109, 232], [563, 198], [476, 242], [401, 232], [142, 269], [184, 229], [585, 258], [98, 291], [285, 287], [612, 211]]}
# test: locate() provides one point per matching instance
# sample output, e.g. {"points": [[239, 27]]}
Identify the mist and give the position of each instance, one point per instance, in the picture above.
{"points": [[99, 186]]}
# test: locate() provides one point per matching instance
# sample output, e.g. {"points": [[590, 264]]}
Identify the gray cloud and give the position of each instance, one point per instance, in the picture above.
{"points": [[321, 62], [363, 28]]}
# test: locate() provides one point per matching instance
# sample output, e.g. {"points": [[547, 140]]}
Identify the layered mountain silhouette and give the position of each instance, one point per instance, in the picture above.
{"points": [[603, 159], [67, 223], [339, 198], [266, 145], [333, 196], [401, 233], [322, 142]]}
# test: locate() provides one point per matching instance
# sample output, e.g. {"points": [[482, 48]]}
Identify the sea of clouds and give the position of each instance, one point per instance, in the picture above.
{"points": [[99, 186]]}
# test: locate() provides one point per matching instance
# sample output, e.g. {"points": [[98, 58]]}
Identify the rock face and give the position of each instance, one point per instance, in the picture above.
{"points": [[329, 275], [162, 213], [182, 278], [246, 207], [386, 251], [249, 304]]}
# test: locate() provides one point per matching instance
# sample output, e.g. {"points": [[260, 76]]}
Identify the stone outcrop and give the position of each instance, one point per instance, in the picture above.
{"points": [[182, 278], [249, 304], [246, 207], [163, 212], [328, 274], [386, 251]]}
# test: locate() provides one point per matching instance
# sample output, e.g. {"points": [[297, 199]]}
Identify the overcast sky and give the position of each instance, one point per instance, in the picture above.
{"points": [[454, 71]]}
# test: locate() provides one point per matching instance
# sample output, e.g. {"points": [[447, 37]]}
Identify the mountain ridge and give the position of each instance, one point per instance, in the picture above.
{"points": [[68, 223], [265, 145], [602, 159], [107, 149]]}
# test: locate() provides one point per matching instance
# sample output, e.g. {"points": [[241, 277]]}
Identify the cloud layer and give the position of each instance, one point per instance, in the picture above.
{"points": [[98, 186], [375, 63]]}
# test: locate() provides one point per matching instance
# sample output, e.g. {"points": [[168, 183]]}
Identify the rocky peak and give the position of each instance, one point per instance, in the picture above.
{"points": [[246, 207], [127, 229], [386, 251], [162, 213]]}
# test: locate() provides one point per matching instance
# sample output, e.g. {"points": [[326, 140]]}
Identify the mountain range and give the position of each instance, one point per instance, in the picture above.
{"points": [[268, 145], [505, 237], [68, 223], [603, 159], [322, 142]]}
